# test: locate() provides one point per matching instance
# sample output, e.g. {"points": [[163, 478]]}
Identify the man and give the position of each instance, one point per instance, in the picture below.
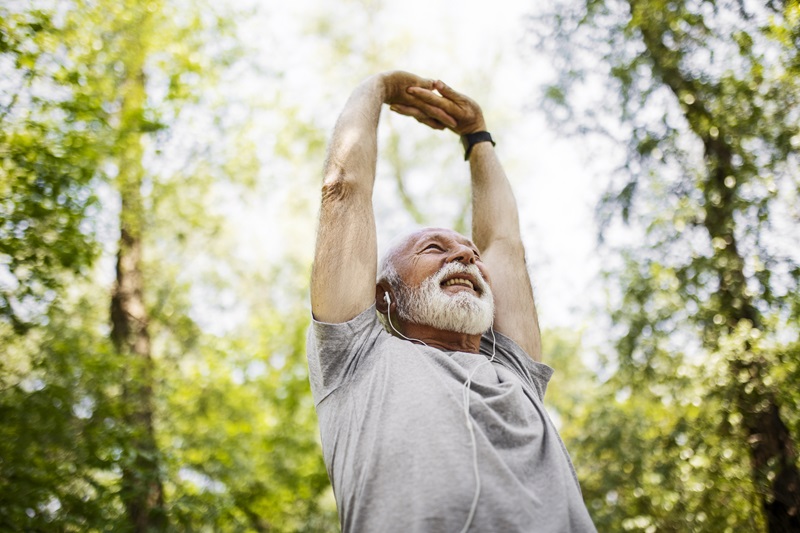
{"points": [[438, 425]]}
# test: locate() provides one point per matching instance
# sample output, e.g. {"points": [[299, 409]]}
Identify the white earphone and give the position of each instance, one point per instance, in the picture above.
{"points": [[388, 300], [467, 383]]}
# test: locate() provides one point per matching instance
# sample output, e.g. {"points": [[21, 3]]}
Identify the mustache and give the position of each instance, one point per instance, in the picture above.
{"points": [[451, 269]]}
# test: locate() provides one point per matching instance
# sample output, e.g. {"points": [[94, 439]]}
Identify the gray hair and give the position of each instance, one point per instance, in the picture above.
{"points": [[427, 305], [388, 274]]}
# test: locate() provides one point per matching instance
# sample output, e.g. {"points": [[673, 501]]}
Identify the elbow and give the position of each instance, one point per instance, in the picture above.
{"points": [[337, 188], [341, 186]]}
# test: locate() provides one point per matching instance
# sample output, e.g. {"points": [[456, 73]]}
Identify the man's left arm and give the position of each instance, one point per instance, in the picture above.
{"points": [[495, 220], [495, 230]]}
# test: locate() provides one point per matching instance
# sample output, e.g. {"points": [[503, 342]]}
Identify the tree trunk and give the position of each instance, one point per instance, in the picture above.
{"points": [[142, 491], [773, 455]]}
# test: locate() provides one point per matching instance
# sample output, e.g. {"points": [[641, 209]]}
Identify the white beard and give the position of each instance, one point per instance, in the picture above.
{"points": [[462, 312]]}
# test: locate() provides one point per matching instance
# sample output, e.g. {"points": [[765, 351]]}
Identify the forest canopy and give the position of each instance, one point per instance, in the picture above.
{"points": [[153, 373]]}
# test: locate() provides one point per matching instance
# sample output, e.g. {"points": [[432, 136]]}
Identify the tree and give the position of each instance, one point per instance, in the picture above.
{"points": [[57, 372], [51, 149], [243, 446], [705, 98], [142, 488], [110, 419]]}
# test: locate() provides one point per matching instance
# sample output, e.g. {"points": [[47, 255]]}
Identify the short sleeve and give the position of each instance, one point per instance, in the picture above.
{"points": [[511, 355], [336, 350]]}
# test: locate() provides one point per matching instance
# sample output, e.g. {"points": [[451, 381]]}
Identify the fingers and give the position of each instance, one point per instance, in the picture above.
{"points": [[405, 110], [446, 91], [464, 109], [397, 82], [433, 101], [432, 123], [427, 84], [409, 79], [419, 116], [415, 102], [434, 106]]}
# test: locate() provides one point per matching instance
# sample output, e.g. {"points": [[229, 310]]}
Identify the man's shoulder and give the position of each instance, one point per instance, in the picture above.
{"points": [[336, 351], [511, 355], [364, 322]]}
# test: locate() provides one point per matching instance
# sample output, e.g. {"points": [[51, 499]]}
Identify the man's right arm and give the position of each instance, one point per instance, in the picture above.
{"points": [[345, 260], [495, 221]]}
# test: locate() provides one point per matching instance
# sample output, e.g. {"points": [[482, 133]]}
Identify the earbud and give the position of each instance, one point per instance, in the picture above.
{"points": [[465, 395]]}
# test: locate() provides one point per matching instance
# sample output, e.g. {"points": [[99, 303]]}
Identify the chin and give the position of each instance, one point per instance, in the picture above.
{"points": [[461, 313]]}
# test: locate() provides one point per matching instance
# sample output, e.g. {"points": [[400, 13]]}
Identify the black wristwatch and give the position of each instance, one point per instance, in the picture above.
{"points": [[471, 139]]}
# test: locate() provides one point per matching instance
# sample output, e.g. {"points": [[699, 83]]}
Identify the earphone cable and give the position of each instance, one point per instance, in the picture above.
{"points": [[470, 427]]}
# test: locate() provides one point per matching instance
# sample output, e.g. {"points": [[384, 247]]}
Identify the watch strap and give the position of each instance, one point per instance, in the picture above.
{"points": [[471, 139]]}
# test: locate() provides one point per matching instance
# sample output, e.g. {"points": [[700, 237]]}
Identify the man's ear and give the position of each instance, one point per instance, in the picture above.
{"points": [[381, 290]]}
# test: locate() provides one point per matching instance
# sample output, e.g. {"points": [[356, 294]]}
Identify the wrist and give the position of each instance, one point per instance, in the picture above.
{"points": [[379, 85], [384, 86], [480, 125], [470, 140], [390, 85]]}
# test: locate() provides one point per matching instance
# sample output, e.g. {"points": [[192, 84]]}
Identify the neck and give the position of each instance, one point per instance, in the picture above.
{"points": [[443, 340]]}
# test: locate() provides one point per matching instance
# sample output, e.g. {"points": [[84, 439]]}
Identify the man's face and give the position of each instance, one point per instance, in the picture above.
{"points": [[444, 283]]}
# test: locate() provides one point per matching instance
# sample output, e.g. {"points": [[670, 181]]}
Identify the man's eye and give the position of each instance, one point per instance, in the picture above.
{"points": [[434, 247]]}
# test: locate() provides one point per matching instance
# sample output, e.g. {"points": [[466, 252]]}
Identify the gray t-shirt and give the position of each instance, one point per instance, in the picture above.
{"points": [[396, 444]]}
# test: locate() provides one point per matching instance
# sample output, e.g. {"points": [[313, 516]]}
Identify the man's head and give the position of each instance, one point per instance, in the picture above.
{"points": [[435, 278]]}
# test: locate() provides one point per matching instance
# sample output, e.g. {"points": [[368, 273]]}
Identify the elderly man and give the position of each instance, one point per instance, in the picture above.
{"points": [[427, 384]]}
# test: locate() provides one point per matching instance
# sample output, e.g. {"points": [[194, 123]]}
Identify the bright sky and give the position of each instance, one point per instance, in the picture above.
{"points": [[476, 47]]}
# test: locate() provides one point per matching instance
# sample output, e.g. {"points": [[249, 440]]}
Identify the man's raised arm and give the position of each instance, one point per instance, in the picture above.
{"points": [[345, 260], [495, 221], [495, 230]]}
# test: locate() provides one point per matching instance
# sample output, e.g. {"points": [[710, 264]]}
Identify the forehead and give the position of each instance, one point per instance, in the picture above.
{"points": [[435, 234]]}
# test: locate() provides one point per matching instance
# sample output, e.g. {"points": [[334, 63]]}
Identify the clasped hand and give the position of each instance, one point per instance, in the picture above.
{"points": [[432, 103]]}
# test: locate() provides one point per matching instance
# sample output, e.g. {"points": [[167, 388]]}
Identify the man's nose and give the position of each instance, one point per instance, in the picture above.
{"points": [[462, 254]]}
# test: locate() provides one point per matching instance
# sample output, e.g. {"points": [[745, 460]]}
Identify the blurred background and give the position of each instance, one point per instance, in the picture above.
{"points": [[160, 168]]}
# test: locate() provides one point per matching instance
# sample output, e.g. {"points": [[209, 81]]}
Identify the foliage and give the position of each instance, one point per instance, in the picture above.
{"points": [[696, 427], [54, 127], [60, 433], [243, 443], [649, 453], [235, 426]]}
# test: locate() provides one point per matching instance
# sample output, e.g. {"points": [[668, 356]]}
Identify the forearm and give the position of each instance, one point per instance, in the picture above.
{"points": [[352, 152], [495, 222], [494, 213], [494, 208], [345, 259], [496, 232]]}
